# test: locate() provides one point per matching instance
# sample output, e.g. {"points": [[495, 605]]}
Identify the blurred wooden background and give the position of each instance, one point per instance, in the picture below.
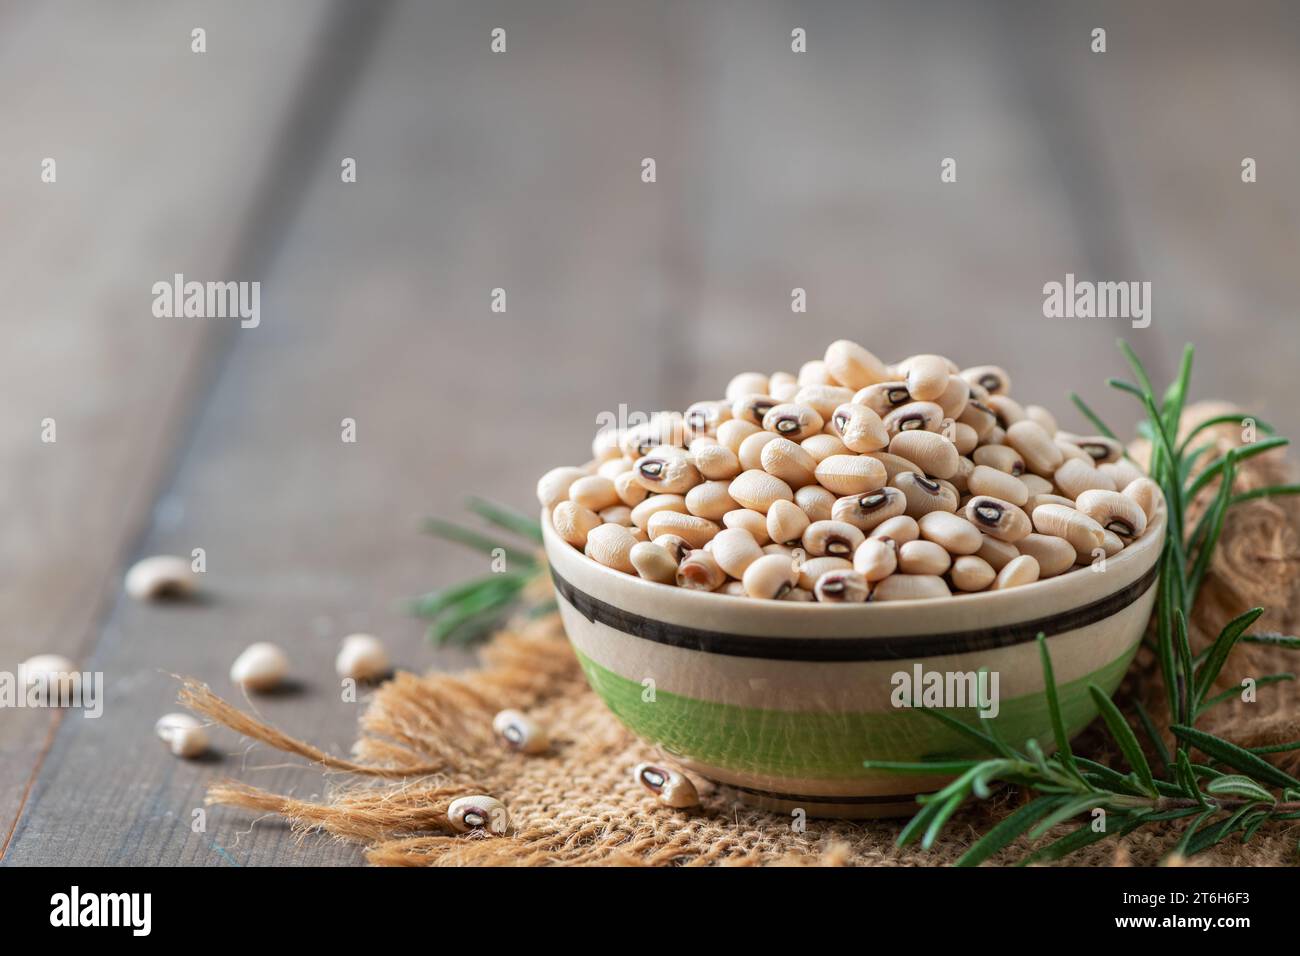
{"points": [[521, 171]]}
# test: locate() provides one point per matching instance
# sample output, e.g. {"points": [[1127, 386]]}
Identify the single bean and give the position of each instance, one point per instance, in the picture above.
{"points": [[864, 512], [926, 376], [553, 487], [823, 446], [789, 462], [842, 587], [883, 397], [838, 539], [971, 573], [1117, 513], [752, 408], [1083, 533], [997, 518], [734, 431], [664, 474], [997, 553], [914, 416], [710, 500], [647, 509], [895, 465], [696, 531], [699, 571], [755, 522], [853, 366], [988, 377], [770, 577], [757, 490], [1146, 493], [859, 427], [823, 399], [815, 501], [653, 562], [810, 570], [901, 528], [1035, 446], [573, 522], [747, 383], [923, 557], [793, 421], [955, 533], [910, 587], [1054, 555], [933, 454], [1018, 571], [611, 545], [985, 480], [876, 558], [735, 549], [850, 474], [925, 495], [786, 522], [1000, 458], [1075, 476]]}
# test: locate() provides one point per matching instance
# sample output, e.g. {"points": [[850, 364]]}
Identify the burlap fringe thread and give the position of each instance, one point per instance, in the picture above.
{"points": [[426, 740]]}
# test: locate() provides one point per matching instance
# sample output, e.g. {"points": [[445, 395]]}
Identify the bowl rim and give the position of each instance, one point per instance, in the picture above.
{"points": [[1135, 553]]}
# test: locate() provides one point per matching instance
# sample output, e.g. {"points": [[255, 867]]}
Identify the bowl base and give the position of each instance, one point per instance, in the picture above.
{"points": [[827, 807]]}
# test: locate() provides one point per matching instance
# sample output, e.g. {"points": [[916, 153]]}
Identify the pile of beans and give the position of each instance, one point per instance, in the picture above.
{"points": [[853, 480]]}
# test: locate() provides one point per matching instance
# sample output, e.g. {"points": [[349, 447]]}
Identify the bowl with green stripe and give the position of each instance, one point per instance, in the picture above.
{"points": [[783, 701]]}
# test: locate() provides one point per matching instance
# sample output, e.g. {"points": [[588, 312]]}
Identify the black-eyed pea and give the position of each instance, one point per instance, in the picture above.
{"points": [[851, 365], [703, 418], [926, 376], [752, 408], [607, 444], [653, 562], [786, 522], [616, 514], [789, 462], [1037, 484], [699, 571], [962, 436], [1035, 500], [864, 512], [798, 594], [952, 532], [842, 587], [970, 572], [1070, 450], [876, 558], [850, 474], [1007, 410], [925, 495], [988, 377], [647, 509], [1000, 458], [756, 490], [836, 539], [735, 549], [1112, 543], [997, 435], [1122, 472], [480, 813], [716, 462], [630, 490], [751, 450], [883, 397], [710, 500], [1084, 534], [823, 446], [784, 391], [696, 531], [1017, 571], [979, 417], [997, 553], [611, 545], [1054, 555], [859, 427], [814, 373], [793, 421], [734, 431], [1075, 476], [1147, 494], [611, 468], [932, 453], [553, 487], [1104, 451], [985, 480], [923, 557], [811, 569], [520, 732], [815, 501], [910, 587], [1045, 419], [914, 416], [997, 518], [665, 474], [670, 788], [1116, 512], [901, 528], [954, 398], [747, 383], [573, 522], [770, 577], [676, 546], [895, 465], [823, 399], [1035, 446], [747, 519]]}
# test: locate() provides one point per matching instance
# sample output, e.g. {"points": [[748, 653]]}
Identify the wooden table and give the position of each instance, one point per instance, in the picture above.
{"points": [[522, 171]]}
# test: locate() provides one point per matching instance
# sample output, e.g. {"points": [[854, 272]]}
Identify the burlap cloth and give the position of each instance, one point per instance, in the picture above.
{"points": [[426, 740]]}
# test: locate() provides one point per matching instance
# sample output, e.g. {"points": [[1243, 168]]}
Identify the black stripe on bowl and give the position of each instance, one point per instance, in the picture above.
{"points": [[885, 648]]}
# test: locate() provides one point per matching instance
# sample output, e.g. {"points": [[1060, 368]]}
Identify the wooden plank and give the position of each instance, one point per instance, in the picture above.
{"points": [[523, 173], [143, 133]]}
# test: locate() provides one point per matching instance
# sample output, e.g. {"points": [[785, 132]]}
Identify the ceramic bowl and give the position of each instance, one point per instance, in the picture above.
{"points": [[784, 701]]}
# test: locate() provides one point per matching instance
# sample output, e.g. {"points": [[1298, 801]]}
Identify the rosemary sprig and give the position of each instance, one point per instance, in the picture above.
{"points": [[1235, 790], [467, 612]]}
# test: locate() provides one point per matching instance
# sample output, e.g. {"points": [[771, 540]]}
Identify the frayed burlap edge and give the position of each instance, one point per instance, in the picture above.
{"points": [[426, 740]]}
